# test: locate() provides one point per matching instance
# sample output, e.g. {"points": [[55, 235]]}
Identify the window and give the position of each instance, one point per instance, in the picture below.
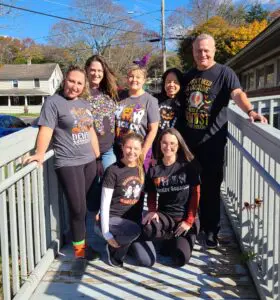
{"points": [[250, 84], [278, 72], [36, 82], [244, 82], [269, 75], [260, 78], [15, 83]]}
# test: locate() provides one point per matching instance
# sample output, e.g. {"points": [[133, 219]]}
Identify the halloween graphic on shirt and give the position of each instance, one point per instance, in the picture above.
{"points": [[103, 108], [131, 190], [81, 126], [167, 117], [198, 103], [174, 183], [129, 118]]}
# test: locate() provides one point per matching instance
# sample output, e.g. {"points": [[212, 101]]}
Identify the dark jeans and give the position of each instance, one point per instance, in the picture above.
{"points": [[126, 233], [211, 159], [75, 182], [94, 193], [179, 248]]}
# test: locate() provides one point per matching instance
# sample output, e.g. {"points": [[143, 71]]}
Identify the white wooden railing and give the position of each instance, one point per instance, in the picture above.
{"points": [[268, 105], [252, 195], [29, 215]]}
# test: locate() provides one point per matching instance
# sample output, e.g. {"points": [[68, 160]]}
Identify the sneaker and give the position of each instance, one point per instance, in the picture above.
{"points": [[211, 240], [111, 260]]}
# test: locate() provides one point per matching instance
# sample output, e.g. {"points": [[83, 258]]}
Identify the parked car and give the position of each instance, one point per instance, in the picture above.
{"points": [[10, 124]]}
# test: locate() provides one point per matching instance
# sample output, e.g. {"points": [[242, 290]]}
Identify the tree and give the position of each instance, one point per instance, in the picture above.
{"points": [[256, 13], [113, 25]]}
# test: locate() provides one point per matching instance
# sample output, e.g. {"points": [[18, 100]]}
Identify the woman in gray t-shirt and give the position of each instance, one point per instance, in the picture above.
{"points": [[67, 120], [138, 111]]}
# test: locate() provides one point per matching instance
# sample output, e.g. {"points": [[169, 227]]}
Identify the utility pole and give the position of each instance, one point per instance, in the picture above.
{"points": [[163, 47]]}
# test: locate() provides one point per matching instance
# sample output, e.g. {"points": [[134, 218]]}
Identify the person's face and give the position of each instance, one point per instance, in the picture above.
{"points": [[74, 85], [169, 145], [171, 85], [132, 149], [135, 80], [204, 53], [95, 73]]}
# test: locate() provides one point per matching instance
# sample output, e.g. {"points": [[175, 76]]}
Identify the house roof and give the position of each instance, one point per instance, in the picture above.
{"points": [[23, 92], [21, 72]]}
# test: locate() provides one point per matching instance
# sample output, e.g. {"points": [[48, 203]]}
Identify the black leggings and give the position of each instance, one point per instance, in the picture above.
{"points": [[75, 182], [179, 248]]}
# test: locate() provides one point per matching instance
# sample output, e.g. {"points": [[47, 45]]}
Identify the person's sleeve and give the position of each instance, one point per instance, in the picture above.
{"points": [[49, 114], [109, 178], [153, 110], [193, 205], [151, 192], [232, 81], [106, 198]]}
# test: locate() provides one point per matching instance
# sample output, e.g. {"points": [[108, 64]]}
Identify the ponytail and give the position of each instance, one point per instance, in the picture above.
{"points": [[140, 161]]}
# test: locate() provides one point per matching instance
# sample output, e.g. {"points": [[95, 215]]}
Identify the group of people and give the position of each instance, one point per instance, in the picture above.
{"points": [[112, 147]]}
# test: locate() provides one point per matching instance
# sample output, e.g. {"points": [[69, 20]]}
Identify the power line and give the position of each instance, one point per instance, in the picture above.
{"points": [[68, 19]]}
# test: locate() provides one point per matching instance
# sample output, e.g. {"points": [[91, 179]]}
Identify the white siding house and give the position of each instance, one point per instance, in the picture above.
{"points": [[23, 88]]}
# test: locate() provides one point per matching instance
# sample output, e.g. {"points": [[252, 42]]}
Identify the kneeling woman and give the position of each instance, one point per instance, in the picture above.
{"points": [[176, 179], [121, 205]]}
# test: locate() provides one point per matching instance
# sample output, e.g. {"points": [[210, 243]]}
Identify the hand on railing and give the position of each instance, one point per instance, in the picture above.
{"points": [[36, 157], [255, 117]]}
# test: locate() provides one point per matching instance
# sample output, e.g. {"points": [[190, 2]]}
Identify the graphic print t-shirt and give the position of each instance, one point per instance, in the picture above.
{"points": [[127, 190], [170, 111], [103, 110], [173, 184], [207, 96], [133, 114], [71, 121]]}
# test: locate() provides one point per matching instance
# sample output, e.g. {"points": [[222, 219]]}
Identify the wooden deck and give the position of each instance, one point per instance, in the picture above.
{"points": [[211, 274]]}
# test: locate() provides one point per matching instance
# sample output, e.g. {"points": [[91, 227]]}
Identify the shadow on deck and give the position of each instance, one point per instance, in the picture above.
{"points": [[211, 274]]}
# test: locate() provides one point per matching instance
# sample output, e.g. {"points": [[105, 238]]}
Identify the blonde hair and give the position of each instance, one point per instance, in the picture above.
{"points": [[136, 67], [140, 160]]}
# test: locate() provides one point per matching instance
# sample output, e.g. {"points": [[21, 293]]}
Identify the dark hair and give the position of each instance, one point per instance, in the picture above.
{"points": [[183, 153], [140, 162], [68, 71], [108, 84], [179, 75]]}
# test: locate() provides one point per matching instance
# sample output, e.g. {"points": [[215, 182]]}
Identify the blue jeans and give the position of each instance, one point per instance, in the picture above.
{"points": [[94, 194]]}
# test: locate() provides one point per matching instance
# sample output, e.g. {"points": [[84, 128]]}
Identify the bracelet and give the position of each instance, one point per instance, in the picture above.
{"points": [[99, 158], [249, 111]]}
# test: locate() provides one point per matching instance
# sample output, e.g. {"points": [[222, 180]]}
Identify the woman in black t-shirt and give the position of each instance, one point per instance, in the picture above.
{"points": [[122, 204], [176, 179]]}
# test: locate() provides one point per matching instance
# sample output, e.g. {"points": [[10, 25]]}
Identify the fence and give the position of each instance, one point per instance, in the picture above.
{"points": [[252, 194], [29, 215]]}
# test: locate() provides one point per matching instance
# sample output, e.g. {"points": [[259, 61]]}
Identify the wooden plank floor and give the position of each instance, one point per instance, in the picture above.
{"points": [[211, 274]]}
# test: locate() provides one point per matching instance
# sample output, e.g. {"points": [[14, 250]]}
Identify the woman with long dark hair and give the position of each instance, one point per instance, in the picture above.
{"points": [[173, 216], [103, 95]]}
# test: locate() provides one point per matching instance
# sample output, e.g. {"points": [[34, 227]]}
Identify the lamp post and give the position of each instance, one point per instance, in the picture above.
{"points": [[163, 47]]}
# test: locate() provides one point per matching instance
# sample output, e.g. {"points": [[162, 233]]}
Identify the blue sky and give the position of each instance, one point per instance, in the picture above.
{"points": [[22, 24]]}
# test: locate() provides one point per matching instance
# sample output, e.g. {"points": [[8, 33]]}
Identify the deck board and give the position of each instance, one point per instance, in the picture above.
{"points": [[210, 274]]}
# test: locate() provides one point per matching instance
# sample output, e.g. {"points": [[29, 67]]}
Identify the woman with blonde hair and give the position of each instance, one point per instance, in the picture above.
{"points": [[122, 204], [138, 111]]}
